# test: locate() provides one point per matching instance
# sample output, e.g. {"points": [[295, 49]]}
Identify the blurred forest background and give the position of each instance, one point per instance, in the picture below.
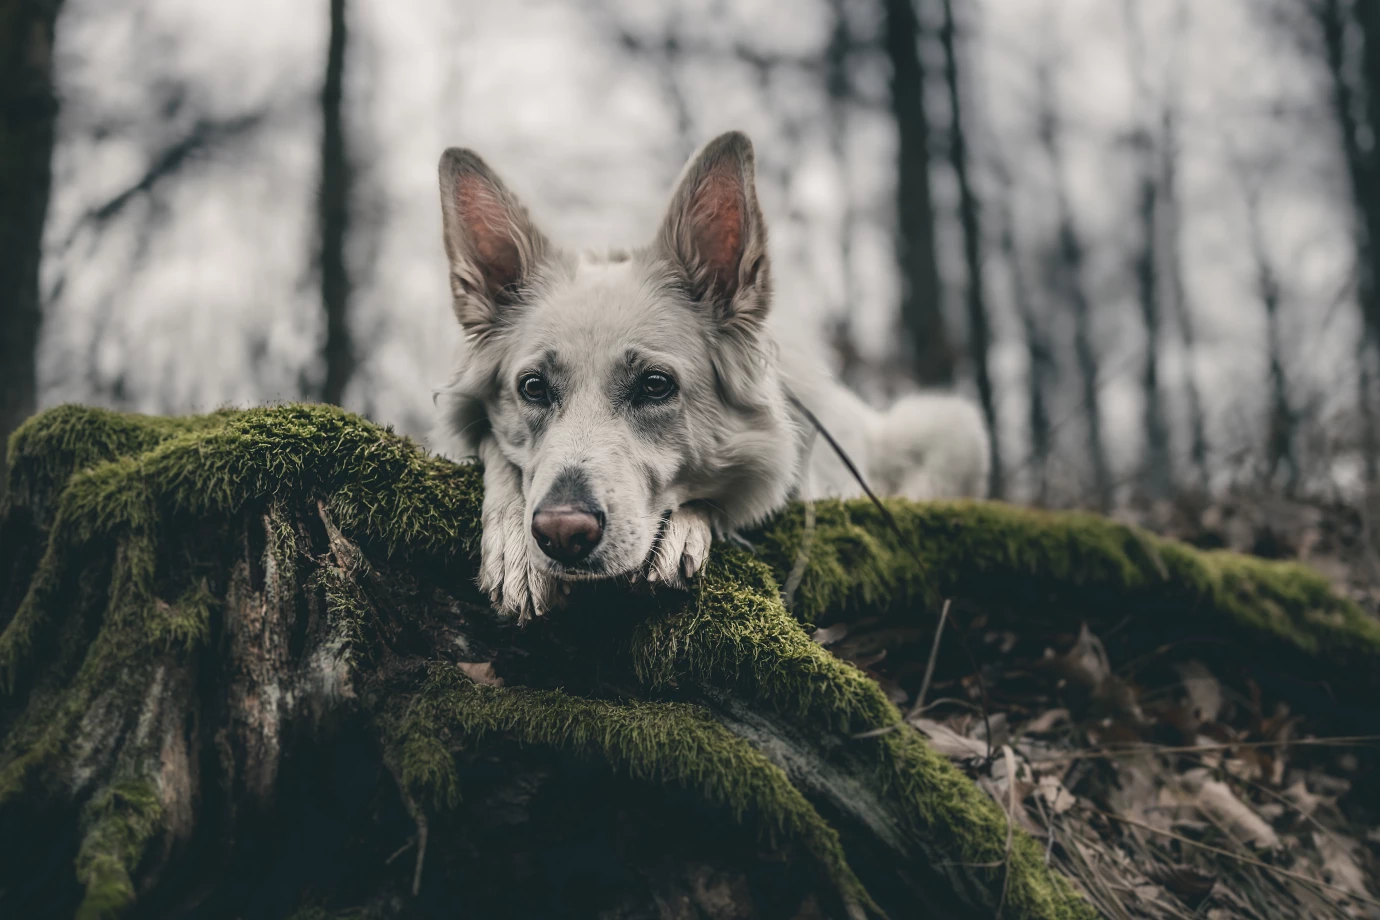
{"points": [[1141, 233]]}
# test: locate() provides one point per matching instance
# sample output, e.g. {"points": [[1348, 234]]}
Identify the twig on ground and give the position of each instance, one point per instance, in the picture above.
{"points": [[919, 706], [1248, 860]]}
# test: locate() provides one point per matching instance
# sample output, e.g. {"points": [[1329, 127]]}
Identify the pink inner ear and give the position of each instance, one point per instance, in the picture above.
{"points": [[718, 224], [490, 230]]}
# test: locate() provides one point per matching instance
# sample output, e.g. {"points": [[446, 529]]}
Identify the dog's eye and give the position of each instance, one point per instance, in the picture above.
{"points": [[656, 386], [533, 389]]}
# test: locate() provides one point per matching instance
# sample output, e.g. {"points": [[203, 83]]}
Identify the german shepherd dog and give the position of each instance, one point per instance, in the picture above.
{"points": [[630, 407]]}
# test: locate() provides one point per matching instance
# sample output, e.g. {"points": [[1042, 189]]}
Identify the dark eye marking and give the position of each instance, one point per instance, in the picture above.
{"points": [[534, 389], [655, 386]]}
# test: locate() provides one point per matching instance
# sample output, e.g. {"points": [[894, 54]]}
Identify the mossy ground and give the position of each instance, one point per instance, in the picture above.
{"points": [[104, 492]]}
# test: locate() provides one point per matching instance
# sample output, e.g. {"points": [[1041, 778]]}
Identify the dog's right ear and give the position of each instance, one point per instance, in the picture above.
{"points": [[491, 242]]}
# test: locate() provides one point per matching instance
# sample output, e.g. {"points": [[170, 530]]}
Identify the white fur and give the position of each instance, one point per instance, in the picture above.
{"points": [[723, 453]]}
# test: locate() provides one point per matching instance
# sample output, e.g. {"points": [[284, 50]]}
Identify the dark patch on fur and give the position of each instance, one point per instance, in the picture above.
{"points": [[571, 488]]}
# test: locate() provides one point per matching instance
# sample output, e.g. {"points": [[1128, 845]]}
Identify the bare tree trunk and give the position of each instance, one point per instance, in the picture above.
{"points": [[1157, 469], [334, 215], [838, 85], [1282, 419], [28, 119], [1178, 291], [970, 215], [1156, 474], [1040, 378], [1071, 257], [1332, 18], [1367, 12], [922, 302]]}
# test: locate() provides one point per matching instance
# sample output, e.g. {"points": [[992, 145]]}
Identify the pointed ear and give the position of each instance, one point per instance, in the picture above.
{"points": [[714, 234], [493, 247]]}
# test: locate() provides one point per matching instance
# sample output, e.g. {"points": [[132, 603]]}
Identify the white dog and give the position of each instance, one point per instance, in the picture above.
{"points": [[628, 408]]}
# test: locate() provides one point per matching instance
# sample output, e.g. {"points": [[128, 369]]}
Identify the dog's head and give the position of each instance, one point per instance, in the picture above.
{"points": [[624, 386]]}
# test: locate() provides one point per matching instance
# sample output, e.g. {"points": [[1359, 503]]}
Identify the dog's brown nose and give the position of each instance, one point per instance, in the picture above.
{"points": [[567, 533]]}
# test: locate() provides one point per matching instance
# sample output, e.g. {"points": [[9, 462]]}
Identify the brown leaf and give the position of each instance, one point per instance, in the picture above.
{"points": [[1046, 720], [1204, 691], [1216, 800], [1187, 883], [949, 742], [481, 672], [830, 634]]}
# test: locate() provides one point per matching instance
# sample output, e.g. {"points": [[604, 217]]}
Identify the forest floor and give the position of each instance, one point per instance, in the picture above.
{"points": [[1163, 788]]}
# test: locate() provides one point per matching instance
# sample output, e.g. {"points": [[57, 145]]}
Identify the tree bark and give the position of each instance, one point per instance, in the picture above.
{"points": [[263, 682], [1070, 251], [922, 298], [334, 215], [1041, 371], [1281, 418], [245, 672], [1334, 20], [970, 216], [28, 121], [1178, 292]]}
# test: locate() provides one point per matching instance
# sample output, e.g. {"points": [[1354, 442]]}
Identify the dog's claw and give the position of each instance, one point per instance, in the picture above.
{"points": [[683, 546]]}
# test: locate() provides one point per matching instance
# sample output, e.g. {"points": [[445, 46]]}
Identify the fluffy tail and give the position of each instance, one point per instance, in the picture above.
{"points": [[930, 445]]}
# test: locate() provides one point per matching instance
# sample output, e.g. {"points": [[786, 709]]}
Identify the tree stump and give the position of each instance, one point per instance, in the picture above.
{"points": [[245, 672]]}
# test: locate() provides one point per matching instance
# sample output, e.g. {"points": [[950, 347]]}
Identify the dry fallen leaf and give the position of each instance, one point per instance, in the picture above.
{"points": [[1340, 863], [1204, 691], [1057, 799], [1189, 884], [949, 742], [481, 672], [1046, 720], [1216, 800], [830, 634]]}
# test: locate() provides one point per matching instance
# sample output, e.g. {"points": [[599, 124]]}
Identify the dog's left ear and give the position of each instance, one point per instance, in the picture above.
{"points": [[715, 236]]}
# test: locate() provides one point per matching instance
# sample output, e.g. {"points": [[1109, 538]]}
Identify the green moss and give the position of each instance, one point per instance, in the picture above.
{"points": [[47, 449], [739, 635], [119, 823], [655, 742], [377, 484], [1072, 560], [117, 488]]}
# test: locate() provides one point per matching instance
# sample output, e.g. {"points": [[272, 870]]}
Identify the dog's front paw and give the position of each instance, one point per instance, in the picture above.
{"points": [[516, 587], [682, 549]]}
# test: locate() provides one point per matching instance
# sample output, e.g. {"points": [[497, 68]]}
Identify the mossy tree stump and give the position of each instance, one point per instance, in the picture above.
{"points": [[244, 671]]}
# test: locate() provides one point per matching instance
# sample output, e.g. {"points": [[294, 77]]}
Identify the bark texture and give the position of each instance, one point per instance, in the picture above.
{"points": [[244, 671], [28, 120], [922, 297]]}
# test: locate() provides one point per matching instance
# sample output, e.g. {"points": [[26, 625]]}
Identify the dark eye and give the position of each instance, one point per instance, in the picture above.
{"points": [[533, 389], [656, 386]]}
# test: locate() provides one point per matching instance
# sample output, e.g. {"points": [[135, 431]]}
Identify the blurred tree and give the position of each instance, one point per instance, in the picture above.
{"points": [[1281, 420], [970, 217], [840, 97], [1155, 479], [1177, 292], [1355, 97], [333, 216], [1069, 286], [922, 302], [1039, 353], [28, 116]]}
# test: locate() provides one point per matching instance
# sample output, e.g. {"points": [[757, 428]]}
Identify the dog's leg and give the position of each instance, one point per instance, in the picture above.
{"points": [[682, 549], [506, 573]]}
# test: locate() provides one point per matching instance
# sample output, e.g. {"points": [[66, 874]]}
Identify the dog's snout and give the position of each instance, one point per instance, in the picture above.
{"points": [[568, 524], [567, 533]]}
